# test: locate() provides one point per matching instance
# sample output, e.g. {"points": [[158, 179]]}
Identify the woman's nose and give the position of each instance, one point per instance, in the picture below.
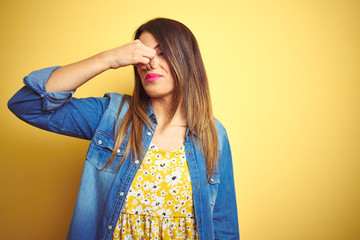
{"points": [[154, 63]]}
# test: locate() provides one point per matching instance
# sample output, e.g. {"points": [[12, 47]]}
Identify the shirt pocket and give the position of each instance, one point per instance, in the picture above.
{"points": [[213, 187], [100, 151]]}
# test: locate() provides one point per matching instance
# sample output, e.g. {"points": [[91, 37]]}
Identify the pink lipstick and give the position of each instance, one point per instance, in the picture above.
{"points": [[151, 77]]}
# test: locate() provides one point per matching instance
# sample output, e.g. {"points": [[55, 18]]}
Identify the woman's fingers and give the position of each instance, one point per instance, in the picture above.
{"points": [[148, 52], [133, 53]]}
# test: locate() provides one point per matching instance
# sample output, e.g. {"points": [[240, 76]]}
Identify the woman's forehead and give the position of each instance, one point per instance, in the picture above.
{"points": [[148, 39]]}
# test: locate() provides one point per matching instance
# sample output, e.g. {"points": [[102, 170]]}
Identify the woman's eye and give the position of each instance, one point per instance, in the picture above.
{"points": [[161, 54]]}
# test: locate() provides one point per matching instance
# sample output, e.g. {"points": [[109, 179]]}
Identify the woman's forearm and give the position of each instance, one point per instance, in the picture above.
{"points": [[72, 76]]}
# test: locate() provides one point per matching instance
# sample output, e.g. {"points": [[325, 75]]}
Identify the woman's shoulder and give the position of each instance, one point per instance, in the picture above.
{"points": [[115, 100], [220, 128]]}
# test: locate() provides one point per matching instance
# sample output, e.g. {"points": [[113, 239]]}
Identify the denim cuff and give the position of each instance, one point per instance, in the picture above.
{"points": [[37, 80]]}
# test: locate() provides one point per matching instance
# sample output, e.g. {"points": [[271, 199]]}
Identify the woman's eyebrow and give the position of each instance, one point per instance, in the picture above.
{"points": [[157, 46]]}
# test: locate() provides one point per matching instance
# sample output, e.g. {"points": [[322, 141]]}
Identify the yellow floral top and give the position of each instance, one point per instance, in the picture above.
{"points": [[159, 203]]}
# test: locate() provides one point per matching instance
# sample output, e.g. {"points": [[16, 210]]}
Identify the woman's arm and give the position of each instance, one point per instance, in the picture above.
{"points": [[72, 76], [46, 99], [225, 210]]}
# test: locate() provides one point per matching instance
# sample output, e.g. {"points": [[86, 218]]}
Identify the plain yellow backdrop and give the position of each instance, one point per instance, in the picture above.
{"points": [[284, 79]]}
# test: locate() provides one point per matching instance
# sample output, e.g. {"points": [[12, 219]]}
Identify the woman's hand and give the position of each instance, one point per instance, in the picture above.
{"points": [[133, 53]]}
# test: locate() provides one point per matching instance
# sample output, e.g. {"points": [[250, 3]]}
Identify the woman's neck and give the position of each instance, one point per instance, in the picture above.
{"points": [[161, 108]]}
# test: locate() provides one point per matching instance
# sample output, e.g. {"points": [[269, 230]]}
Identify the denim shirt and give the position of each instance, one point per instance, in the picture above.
{"points": [[102, 192]]}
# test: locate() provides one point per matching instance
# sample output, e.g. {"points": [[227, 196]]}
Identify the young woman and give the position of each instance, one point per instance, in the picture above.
{"points": [[159, 165]]}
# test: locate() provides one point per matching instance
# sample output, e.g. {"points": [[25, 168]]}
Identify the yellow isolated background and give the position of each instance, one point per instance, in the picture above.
{"points": [[284, 79]]}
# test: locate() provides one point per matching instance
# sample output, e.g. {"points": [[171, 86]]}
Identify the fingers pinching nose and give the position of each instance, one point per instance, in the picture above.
{"points": [[153, 62]]}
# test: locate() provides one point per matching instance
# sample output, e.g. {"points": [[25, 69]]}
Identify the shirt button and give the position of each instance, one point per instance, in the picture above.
{"points": [[118, 151], [149, 133], [197, 185], [137, 162], [122, 194], [212, 180], [99, 142], [200, 220], [109, 227], [190, 152]]}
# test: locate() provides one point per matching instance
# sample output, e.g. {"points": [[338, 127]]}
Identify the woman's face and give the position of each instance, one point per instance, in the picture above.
{"points": [[156, 77]]}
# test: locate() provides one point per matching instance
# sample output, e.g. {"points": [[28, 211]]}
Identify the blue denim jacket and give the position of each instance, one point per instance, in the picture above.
{"points": [[102, 193]]}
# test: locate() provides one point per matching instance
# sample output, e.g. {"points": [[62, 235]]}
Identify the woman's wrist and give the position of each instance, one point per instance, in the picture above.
{"points": [[105, 60]]}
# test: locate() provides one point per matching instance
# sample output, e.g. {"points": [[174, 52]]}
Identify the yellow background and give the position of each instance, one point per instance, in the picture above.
{"points": [[285, 82]]}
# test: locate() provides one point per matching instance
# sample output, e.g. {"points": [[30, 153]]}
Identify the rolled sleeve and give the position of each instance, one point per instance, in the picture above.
{"points": [[37, 81]]}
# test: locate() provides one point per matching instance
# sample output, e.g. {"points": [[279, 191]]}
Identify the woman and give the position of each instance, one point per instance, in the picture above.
{"points": [[159, 165]]}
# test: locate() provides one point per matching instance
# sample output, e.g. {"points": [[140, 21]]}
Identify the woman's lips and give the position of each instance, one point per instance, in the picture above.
{"points": [[151, 77]]}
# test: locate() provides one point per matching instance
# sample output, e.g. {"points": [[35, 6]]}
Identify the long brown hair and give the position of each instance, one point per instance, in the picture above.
{"points": [[182, 53]]}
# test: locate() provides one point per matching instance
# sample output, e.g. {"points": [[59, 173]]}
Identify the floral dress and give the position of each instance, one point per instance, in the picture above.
{"points": [[159, 203]]}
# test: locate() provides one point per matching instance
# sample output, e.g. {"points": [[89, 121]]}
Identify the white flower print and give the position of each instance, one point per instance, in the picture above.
{"points": [[140, 232], [177, 207], [158, 156], [130, 192], [147, 185], [152, 168], [174, 190], [155, 188], [159, 178], [174, 179], [153, 196], [145, 201], [139, 193], [148, 209], [158, 202], [164, 212], [162, 163], [138, 209], [138, 186], [147, 160], [154, 147], [135, 202]]}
